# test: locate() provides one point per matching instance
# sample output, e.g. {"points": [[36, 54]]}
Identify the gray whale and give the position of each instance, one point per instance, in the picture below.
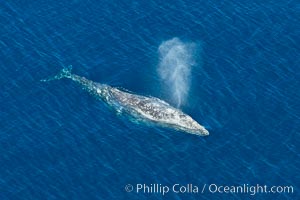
{"points": [[148, 108]]}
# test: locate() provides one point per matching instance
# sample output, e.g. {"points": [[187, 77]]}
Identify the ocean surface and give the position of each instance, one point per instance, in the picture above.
{"points": [[59, 142]]}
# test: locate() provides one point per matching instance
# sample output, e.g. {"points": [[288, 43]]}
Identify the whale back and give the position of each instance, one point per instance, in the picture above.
{"points": [[156, 110]]}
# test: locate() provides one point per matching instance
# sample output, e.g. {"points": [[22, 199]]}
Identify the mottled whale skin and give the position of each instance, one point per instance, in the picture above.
{"points": [[149, 108]]}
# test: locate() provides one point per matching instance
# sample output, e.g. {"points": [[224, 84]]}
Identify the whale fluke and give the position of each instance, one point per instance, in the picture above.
{"points": [[64, 73]]}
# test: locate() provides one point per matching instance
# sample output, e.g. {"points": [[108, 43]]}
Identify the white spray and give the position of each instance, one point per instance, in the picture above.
{"points": [[176, 61]]}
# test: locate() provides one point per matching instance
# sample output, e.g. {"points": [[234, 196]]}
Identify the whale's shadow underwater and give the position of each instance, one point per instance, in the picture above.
{"points": [[141, 107]]}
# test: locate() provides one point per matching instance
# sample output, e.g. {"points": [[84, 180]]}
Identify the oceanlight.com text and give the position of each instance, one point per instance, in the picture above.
{"points": [[249, 189]]}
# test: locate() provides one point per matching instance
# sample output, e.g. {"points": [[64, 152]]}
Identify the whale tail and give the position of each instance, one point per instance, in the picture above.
{"points": [[64, 73]]}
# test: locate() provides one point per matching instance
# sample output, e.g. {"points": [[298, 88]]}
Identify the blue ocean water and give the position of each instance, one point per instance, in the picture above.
{"points": [[59, 142]]}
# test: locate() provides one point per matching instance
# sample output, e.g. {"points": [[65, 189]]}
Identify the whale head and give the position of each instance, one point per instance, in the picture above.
{"points": [[200, 131], [185, 123], [193, 127]]}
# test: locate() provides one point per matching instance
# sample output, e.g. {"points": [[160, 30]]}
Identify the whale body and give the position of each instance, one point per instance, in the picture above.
{"points": [[147, 108]]}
